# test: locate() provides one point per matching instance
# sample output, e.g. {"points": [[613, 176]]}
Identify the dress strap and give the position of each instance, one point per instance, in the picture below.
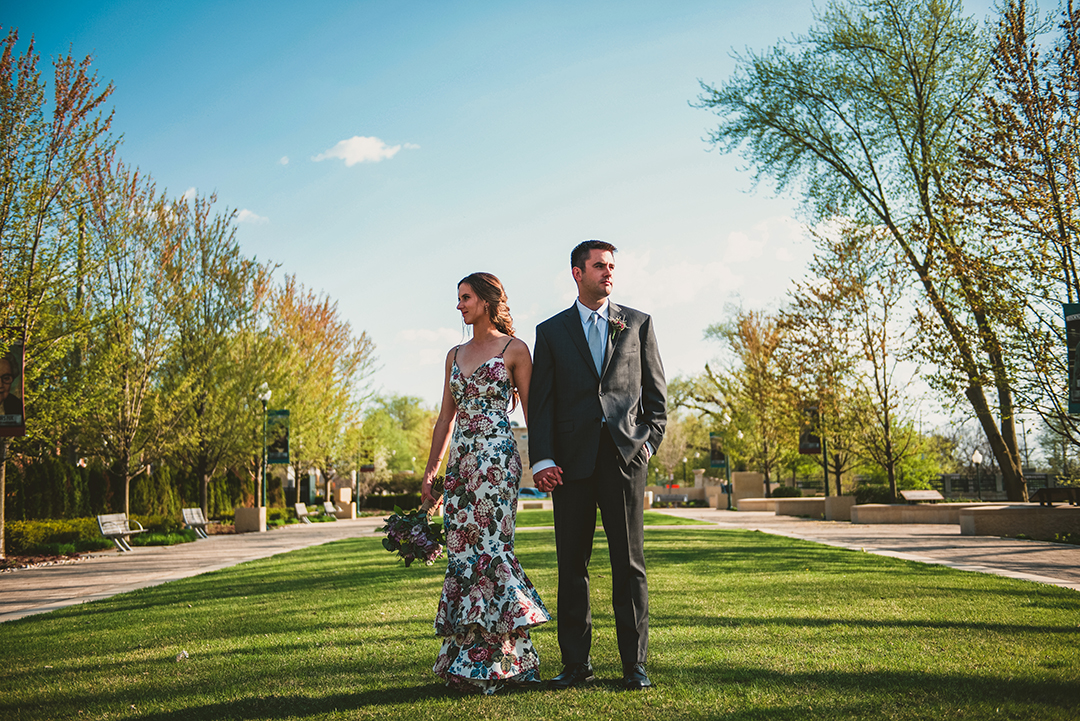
{"points": [[456, 349], [507, 345]]}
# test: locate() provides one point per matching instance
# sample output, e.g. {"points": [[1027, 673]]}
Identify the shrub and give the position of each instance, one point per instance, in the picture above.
{"points": [[170, 538], [867, 493], [53, 536], [786, 492]]}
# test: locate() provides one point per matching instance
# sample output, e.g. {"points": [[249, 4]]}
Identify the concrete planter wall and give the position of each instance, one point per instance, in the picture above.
{"points": [[810, 507], [250, 519], [920, 513], [1031, 520]]}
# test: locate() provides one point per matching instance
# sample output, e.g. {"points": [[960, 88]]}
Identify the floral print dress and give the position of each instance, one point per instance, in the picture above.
{"points": [[488, 603]]}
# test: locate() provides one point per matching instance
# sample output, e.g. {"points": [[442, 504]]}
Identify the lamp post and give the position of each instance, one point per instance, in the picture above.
{"points": [[684, 470], [264, 396], [977, 459], [1023, 432]]}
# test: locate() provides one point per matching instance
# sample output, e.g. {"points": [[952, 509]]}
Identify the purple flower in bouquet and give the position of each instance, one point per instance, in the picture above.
{"points": [[412, 535]]}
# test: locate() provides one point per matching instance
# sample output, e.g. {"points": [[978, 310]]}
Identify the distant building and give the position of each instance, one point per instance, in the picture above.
{"points": [[521, 436]]}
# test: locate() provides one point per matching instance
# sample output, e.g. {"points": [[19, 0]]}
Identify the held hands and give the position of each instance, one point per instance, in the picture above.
{"points": [[547, 479]]}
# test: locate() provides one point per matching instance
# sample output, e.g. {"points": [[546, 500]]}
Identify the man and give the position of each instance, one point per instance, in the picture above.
{"points": [[597, 410]]}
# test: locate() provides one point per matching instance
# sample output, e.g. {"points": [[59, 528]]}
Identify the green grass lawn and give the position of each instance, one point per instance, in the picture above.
{"points": [[528, 519], [743, 626]]}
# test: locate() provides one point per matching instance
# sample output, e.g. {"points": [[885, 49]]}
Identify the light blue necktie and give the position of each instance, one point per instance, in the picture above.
{"points": [[596, 344]]}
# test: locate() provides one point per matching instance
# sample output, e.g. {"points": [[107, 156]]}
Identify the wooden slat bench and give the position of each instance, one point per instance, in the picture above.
{"points": [[196, 521], [116, 527], [915, 496]]}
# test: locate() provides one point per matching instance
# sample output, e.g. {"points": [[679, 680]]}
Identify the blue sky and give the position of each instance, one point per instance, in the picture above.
{"points": [[380, 151]]}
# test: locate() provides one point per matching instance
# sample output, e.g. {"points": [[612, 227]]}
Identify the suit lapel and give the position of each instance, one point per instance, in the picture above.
{"points": [[572, 321], [614, 312]]}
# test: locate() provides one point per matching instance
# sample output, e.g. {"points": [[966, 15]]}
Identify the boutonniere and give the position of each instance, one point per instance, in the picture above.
{"points": [[616, 326]]}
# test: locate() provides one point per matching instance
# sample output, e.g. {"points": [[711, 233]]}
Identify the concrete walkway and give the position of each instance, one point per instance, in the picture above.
{"points": [[38, 590], [1053, 563]]}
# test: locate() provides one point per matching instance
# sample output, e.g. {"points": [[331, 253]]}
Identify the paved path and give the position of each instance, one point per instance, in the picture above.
{"points": [[37, 590], [1053, 563]]}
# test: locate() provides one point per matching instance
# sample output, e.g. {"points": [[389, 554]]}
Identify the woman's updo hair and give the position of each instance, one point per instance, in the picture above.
{"points": [[489, 289]]}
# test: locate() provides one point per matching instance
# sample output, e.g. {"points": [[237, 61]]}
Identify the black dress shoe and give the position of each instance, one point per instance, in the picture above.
{"points": [[573, 674], [634, 678]]}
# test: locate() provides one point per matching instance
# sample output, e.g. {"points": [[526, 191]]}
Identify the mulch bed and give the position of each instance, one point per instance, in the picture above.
{"points": [[16, 563]]}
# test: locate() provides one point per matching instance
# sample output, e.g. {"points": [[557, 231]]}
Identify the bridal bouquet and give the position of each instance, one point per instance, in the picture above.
{"points": [[412, 535]]}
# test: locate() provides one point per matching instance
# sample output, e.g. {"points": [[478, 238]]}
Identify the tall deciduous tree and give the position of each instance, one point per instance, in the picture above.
{"points": [[215, 297], [1023, 155], [867, 111], [133, 226], [328, 370], [40, 158]]}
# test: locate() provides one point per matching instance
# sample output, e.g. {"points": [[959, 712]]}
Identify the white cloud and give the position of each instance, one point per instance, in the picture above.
{"points": [[359, 149], [428, 347], [742, 248], [284, 160], [189, 194], [411, 146], [670, 284], [246, 216], [784, 255]]}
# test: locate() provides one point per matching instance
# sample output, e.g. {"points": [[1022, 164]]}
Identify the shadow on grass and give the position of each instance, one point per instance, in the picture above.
{"points": [[700, 692]]}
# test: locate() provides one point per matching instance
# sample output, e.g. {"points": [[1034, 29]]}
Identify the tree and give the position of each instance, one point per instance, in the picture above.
{"points": [[327, 375], [753, 393], [856, 306], [1023, 156], [218, 354], [867, 111], [39, 161], [132, 421], [399, 427]]}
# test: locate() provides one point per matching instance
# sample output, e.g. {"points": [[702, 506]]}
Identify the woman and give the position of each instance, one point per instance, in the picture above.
{"points": [[488, 604]]}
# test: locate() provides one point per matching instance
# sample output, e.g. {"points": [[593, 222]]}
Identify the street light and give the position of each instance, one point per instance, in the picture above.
{"points": [[684, 470], [264, 396], [977, 459]]}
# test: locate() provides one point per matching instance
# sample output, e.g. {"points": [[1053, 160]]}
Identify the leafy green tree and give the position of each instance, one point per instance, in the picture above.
{"points": [[327, 376], [40, 158], [132, 420], [752, 397], [1023, 156], [218, 353], [867, 111]]}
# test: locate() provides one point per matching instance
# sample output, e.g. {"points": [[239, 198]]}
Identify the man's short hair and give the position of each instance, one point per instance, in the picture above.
{"points": [[580, 254]]}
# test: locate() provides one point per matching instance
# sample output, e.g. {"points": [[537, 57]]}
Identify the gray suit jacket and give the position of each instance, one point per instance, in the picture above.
{"points": [[567, 399]]}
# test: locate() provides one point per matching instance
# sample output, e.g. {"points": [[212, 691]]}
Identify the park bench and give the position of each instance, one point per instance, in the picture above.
{"points": [[196, 521], [302, 512], [116, 527], [330, 509], [673, 498], [916, 496]]}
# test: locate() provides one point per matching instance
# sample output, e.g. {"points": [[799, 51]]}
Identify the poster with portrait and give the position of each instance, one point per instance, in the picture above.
{"points": [[12, 417]]}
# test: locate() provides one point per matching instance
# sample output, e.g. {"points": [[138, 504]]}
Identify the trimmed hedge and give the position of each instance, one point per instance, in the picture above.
{"points": [[69, 535], [407, 501], [786, 492]]}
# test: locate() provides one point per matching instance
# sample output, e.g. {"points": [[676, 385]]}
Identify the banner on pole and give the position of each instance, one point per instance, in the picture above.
{"points": [[277, 437], [1072, 349], [717, 457], [12, 405], [809, 433]]}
